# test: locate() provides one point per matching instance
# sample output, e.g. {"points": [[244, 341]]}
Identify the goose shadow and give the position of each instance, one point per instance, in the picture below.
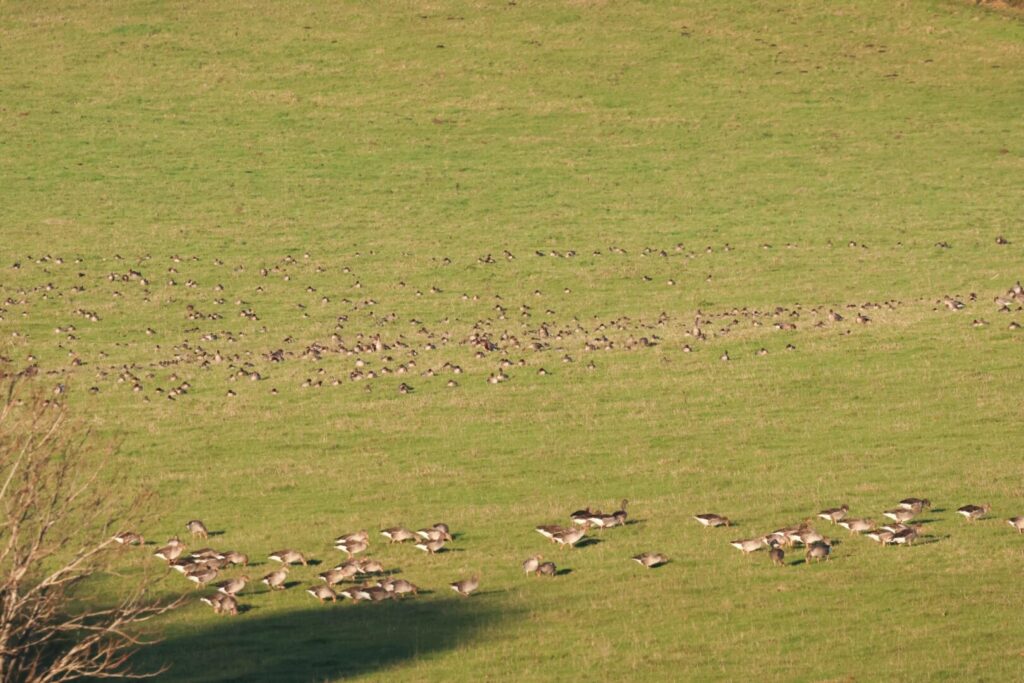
{"points": [[318, 642], [928, 540], [563, 572], [587, 542], [213, 534]]}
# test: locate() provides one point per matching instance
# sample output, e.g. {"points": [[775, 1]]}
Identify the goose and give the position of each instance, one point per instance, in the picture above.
{"points": [[170, 552], [620, 515], [570, 537], [650, 560], [915, 504], [857, 526], [907, 536], [430, 547], [398, 534], [400, 587], [184, 566], [202, 576], [275, 580], [128, 538], [375, 593], [197, 528], [973, 512], [323, 593], [233, 586], [818, 551], [353, 593], [288, 557], [332, 577], [747, 546], [710, 519], [547, 569], [807, 536], [221, 603], [882, 536], [204, 554], [582, 516], [894, 528], [900, 514], [1017, 523], [833, 515], [465, 587], [351, 548], [776, 554], [357, 536], [237, 558], [442, 527], [550, 530], [432, 534], [531, 564], [370, 566]]}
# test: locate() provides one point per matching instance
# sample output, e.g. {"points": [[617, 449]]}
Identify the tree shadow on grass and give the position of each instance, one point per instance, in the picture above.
{"points": [[323, 643]]}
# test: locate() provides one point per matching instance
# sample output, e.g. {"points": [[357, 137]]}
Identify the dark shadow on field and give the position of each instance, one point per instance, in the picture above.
{"points": [[325, 642], [563, 572], [588, 541]]}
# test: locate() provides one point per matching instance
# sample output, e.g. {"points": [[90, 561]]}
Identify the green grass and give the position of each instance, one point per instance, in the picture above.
{"points": [[238, 135]]}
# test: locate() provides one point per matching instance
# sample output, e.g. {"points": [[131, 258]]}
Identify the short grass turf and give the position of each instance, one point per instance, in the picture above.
{"points": [[338, 171]]}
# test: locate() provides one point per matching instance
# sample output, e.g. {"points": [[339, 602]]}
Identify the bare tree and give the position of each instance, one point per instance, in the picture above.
{"points": [[57, 518]]}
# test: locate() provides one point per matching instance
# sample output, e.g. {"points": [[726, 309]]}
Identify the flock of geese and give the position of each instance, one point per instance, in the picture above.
{"points": [[369, 581]]}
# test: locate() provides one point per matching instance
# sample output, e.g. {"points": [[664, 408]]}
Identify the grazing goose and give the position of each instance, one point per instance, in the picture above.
{"points": [[351, 548], [571, 537], [900, 515], [204, 554], [915, 504], [710, 520], [357, 536], [549, 531], [432, 534], [973, 512], [398, 534], [128, 538], [332, 577], [400, 587], [368, 565], [375, 593], [547, 569], [237, 558], [776, 554], [582, 516], [906, 536], [833, 515], [807, 536], [818, 551], [430, 547], [353, 593], [747, 546], [857, 526], [650, 560], [323, 593], [531, 564], [442, 527], [275, 580], [197, 528], [288, 557], [465, 587], [184, 566], [620, 515], [221, 603], [170, 552], [202, 575], [233, 586], [882, 536], [1017, 523]]}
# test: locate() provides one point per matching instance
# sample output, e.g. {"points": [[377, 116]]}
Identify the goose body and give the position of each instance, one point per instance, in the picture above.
{"points": [[833, 515], [275, 580], [432, 534], [906, 536], [398, 534], [857, 526], [128, 538], [430, 547], [531, 564], [818, 551], [650, 560], [1017, 523], [170, 552], [351, 548], [221, 603], [776, 555], [547, 569], [900, 514], [400, 587], [710, 520], [571, 537], [237, 558], [915, 504], [288, 557], [747, 546], [233, 586], [548, 531], [973, 512], [197, 528], [466, 587], [323, 593], [202, 576], [357, 536], [882, 536]]}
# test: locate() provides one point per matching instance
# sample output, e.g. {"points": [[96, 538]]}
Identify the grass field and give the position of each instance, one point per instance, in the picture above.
{"points": [[347, 170]]}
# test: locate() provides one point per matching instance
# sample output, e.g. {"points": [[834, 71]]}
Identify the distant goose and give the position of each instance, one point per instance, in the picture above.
{"points": [[128, 538], [900, 514], [237, 558], [906, 536], [710, 520], [807, 536], [582, 516], [374, 593], [362, 536], [205, 554], [747, 546], [857, 526], [833, 515], [650, 560], [1017, 523], [973, 512], [430, 547], [398, 534], [233, 586], [288, 557], [197, 528], [368, 565], [818, 551], [333, 577], [170, 552], [323, 593], [550, 530], [275, 580], [547, 569], [221, 603], [202, 576], [466, 587], [400, 587], [432, 534], [882, 536], [351, 548], [915, 504], [531, 564], [571, 537], [776, 554]]}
